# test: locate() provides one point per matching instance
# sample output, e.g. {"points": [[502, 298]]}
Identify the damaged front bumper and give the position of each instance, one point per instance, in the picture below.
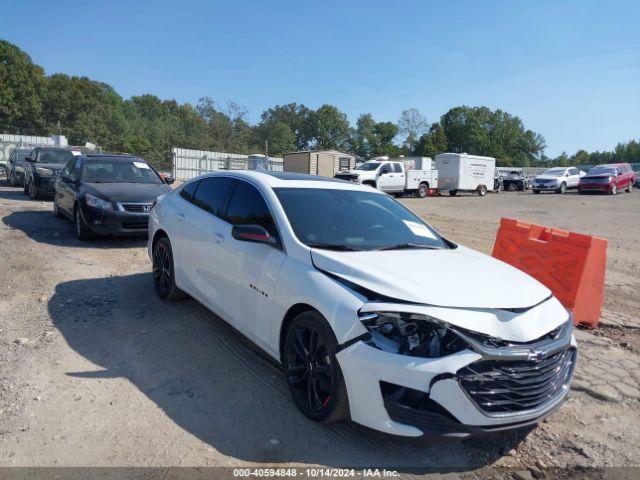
{"points": [[482, 389]]}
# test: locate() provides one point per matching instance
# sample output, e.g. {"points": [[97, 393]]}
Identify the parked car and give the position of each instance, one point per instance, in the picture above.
{"points": [[393, 177], [42, 167], [16, 165], [515, 180], [609, 178], [497, 182], [556, 179], [375, 316], [108, 194], [636, 168]]}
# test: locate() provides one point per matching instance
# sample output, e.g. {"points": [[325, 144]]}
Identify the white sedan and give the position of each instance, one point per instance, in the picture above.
{"points": [[373, 315]]}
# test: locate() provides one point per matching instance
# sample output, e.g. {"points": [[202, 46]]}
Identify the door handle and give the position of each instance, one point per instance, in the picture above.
{"points": [[180, 217], [218, 237]]}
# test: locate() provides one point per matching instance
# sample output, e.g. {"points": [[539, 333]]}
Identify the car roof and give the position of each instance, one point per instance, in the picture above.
{"points": [[112, 156], [291, 180]]}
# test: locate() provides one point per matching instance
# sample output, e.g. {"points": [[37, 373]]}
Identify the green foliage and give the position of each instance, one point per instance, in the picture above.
{"points": [[21, 89], [431, 143], [90, 111], [481, 131], [329, 128]]}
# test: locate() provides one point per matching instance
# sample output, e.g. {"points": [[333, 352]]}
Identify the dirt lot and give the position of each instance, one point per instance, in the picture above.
{"points": [[96, 371]]}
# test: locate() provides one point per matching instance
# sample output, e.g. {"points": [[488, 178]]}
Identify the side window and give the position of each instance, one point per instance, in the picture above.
{"points": [[188, 190], [247, 207], [212, 194], [573, 171], [75, 167], [397, 168]]}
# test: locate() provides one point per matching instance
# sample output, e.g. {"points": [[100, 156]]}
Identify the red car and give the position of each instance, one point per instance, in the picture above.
{"points": [[609, 179]]}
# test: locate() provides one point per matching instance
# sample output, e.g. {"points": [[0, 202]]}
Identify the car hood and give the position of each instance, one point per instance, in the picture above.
{"points": [[600, 175], [128, 192], [459, 278], [56, 167]]}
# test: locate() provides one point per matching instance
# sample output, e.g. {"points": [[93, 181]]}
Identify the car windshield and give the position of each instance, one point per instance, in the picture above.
{"points": [[354, 220], [556, 172], [54, 156], [22, 155], [602, 171], [369, 166], [105, 170]]}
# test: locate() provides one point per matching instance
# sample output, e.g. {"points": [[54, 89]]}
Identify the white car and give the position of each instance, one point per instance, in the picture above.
{"points": [[374, 315], [557, 179]]}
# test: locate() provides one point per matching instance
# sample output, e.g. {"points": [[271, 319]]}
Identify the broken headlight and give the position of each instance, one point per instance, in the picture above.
{"points": [[411, 334]]}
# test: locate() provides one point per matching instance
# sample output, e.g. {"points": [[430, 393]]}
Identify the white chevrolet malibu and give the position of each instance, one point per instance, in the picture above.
{"points": [[374, 316]]}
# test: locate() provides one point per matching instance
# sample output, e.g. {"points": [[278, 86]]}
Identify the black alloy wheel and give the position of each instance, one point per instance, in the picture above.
{"points": [[163, 271], [313, 374]]}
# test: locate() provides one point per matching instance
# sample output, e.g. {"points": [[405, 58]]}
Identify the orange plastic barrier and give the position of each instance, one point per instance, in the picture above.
{"points": [[570, 264]]}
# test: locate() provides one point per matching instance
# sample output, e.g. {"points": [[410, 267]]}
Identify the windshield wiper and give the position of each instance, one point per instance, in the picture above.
{"points": [[333, 246], [407, 246]]}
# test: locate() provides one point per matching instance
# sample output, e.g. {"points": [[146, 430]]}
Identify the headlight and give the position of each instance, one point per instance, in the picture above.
{"points": [[19, 168], [411, 334], [45, 172], [96, 202]]}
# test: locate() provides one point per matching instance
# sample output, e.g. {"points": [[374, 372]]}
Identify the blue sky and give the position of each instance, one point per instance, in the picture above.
{"points": [[570, 70]]}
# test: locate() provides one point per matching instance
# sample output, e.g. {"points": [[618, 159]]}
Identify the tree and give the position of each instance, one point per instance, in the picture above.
{"points": [[481, 131], [279, 136], [412, 124], [21, 90], [329, 128], [432, 142], [296, 117], [228, 129]]}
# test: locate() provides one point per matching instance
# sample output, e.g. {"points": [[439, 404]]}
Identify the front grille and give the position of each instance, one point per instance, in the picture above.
{"points": [[135, 225], [502, 386], [136, 207]]}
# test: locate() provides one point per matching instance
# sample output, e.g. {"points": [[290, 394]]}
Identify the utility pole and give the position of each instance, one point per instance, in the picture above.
{"points": [[266, 148], [58, 126]]}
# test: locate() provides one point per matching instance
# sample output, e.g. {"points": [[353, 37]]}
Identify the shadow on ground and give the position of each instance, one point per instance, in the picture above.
{"points": [[43, 227], [214, 384]]}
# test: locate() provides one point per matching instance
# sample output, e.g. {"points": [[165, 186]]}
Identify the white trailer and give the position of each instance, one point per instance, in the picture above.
{"points": [[461, 172]]}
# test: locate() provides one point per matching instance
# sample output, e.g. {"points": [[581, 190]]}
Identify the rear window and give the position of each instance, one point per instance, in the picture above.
{"points": [[212, 194]]}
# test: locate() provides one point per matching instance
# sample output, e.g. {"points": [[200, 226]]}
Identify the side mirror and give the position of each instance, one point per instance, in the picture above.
{"points": [[252, 233], [30, 159], [168, 178]]}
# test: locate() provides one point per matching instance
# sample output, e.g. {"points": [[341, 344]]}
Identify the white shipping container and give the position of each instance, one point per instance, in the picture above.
{"points": [[464, 172]]}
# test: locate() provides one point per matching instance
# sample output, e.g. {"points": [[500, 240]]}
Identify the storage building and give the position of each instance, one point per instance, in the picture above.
{"points": [[325, 163]]}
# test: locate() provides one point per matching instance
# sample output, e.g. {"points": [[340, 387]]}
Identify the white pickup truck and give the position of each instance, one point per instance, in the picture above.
{"points": [[391, 176]]}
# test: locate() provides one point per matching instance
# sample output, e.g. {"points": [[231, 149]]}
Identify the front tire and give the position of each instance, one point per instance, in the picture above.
{"points": [[12, 179], [164, 279], [56, 211], [563, 188], [614, 189], [313, 374], [83, 232], [536, 191]]}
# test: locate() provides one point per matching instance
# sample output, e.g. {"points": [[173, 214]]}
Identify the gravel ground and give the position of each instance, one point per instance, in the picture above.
{"points": [[96, 371]]}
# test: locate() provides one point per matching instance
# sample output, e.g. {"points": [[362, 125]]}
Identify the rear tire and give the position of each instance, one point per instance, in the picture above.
{"points": [[164, 279], [453, 193], [313, 373], [423, 190], [482, 190], [629, 187]]}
